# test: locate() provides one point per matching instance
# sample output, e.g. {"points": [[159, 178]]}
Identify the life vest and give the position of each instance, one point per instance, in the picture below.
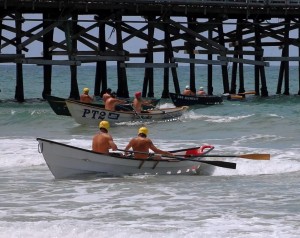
{"points": [[200, 151]]}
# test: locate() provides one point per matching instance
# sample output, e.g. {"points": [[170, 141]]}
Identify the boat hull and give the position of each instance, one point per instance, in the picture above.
{"points": [[184, 100], [60, 107], [65, 161], [90, 115]]}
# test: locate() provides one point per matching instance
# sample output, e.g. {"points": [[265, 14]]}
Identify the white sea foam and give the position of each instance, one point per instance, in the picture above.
{"points": [[218, 119], [255, 137], [24, 153], [144, 216], [166, 105], [275, 115], [19, 152]]}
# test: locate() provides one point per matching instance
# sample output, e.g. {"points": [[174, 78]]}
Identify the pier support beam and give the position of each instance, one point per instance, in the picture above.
{"points": [[286, 54], [280, 76], [223, 67], [171, 55], [1, 26], [284, 65], [165, 92], [237, 48], [47, 43], [241, 67], [70, 27], [101, 66], [122, 76], [148, 79], [259, 69], [299, 61], [19, 93], [191, 48], [209, 67]]}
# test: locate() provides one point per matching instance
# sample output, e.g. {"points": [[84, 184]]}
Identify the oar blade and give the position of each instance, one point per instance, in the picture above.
{"points": [[256, 156], [223, 164], [245, 156], [249, 92]]}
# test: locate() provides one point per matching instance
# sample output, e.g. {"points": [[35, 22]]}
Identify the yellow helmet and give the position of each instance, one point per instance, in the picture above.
{"points": [[86, 90], [143, 130], [104, 124]]}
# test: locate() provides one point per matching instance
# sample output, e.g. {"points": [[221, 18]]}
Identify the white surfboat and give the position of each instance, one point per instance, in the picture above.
{"points": [[69, 161], [91, 115]]}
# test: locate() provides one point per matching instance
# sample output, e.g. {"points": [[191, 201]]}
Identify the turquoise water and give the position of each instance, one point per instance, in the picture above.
{"points": [[258, 199], [33, 80]]}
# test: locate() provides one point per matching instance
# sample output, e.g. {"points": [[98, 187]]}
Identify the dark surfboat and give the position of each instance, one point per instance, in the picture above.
{"points": [[184, 100], [59, 105]]}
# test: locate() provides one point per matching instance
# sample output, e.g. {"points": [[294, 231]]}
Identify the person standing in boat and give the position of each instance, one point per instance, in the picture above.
{"points": [[85, 97], [143, 144], [112, 101], [138, 102], [103, 141], [187, 91], [106, 95], [201, 92]]}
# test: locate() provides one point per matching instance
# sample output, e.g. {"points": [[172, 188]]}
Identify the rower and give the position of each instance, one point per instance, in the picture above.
{"points": [[112, 101], [85, 97], [143, 144], [106, 95], [103, 141], [138, 102], [201, 92], [188, 91]]}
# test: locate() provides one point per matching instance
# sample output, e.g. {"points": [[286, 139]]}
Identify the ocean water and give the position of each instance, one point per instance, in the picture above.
{"points": [[258, 199]]}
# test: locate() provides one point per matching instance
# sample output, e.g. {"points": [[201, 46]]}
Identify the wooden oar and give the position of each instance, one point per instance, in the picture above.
{"points": [[249, 92], [245, 156], [223, 164], [235, 96], [135, 112]]}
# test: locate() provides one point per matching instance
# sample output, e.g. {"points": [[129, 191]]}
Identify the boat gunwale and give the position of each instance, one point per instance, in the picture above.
{"points": [[113, 154], [153, 112], [180, 100], [196, 96]]}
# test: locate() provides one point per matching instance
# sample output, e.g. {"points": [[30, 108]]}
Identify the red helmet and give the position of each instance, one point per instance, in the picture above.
{"points": [[138, 94]]}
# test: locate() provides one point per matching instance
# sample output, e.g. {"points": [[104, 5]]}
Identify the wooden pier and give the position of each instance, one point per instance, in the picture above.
{"points": [[195, 27]]}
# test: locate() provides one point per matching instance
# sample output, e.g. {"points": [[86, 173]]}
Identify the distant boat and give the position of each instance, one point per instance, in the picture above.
{"points": [[89, 114], [185, 100], [59, 105], [237, 97]]}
